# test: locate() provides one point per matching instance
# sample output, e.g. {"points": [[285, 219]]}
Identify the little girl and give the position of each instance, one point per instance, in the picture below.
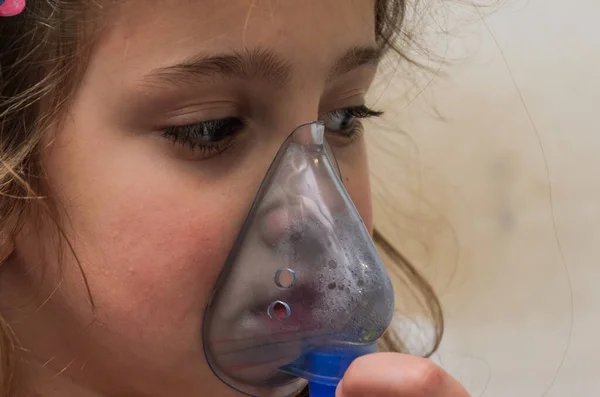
{"points": [[133, 137]]}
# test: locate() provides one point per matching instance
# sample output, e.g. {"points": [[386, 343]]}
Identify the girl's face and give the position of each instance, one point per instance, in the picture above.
{"points": [[181, 110]]}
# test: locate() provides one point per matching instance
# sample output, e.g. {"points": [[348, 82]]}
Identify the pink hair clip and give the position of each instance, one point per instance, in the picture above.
{"points": [[8, 8]]}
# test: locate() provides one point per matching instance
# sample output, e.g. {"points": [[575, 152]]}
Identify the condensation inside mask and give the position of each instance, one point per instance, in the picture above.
{"points": [[303, 278]]}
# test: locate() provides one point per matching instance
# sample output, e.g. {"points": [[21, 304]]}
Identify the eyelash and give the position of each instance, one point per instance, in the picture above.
{"points": [[216, 136]]}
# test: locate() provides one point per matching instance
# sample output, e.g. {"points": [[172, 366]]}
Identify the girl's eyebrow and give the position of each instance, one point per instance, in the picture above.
{"points": [[257, 64], [354, 58]]}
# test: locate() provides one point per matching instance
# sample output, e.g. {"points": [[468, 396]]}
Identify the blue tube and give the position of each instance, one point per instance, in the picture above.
{"points": [[328, 366]]}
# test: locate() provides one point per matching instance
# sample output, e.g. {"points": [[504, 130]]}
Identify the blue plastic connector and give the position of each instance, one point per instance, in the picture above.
{"points": [[328, 366]]}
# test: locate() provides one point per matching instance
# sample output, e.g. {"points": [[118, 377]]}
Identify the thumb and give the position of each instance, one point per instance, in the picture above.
{"points": [[397, 375]]}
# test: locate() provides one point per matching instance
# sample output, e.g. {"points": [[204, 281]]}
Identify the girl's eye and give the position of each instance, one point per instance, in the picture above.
{"points": [[215, 136], [346, 121], [208, 137]]}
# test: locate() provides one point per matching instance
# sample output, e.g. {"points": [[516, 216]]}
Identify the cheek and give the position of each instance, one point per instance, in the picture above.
{"points": [[154, 266], [162, 248], [152, 238]]}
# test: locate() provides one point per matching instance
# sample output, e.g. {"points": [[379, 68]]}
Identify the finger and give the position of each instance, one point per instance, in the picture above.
{"points": [[397, 375]]}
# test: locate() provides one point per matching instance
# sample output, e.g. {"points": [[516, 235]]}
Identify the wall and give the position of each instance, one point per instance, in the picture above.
{"points": [[486, 175]]}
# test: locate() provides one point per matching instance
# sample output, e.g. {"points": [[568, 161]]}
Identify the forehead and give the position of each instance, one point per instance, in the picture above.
{"points": [[144, 34]]}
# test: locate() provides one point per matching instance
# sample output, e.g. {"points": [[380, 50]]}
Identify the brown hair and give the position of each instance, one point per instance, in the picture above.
{"points": [[42, 59]]}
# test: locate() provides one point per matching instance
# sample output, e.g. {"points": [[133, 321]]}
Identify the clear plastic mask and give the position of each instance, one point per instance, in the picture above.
{"points": [[303, 291]]}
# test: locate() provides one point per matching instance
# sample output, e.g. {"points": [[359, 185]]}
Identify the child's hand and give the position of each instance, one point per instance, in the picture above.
{"points": [[397, 375]]}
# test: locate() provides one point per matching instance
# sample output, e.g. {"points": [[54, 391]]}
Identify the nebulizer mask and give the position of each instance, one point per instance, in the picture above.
{"points": [[303, 291]]}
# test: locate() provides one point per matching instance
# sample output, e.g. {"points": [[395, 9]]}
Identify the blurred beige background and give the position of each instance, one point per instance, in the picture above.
{"points": [[489, 181]]}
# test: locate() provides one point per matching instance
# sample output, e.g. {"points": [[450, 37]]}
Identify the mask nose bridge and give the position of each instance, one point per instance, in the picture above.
{"points": [[289, 201], [310, 140], [310, 151], [299, 136]]}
